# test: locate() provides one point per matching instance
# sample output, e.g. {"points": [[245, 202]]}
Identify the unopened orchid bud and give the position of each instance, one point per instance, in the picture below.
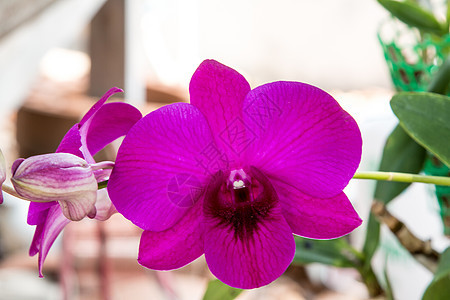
{"points": [[61, 177], [2, 174]]}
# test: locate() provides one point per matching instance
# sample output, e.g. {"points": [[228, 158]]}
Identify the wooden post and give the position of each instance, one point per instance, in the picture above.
{"points": [[107, 48]]}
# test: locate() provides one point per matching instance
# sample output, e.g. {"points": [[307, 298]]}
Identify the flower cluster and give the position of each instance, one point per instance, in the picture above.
{"points": [[62, 186], [232, 175]]}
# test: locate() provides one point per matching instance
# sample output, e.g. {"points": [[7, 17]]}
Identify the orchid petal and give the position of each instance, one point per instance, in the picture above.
{"points": [[71, 142], [303, 137], [2, 174], [104, 207], [99, 104], [77, 208], [316, 218], [176, 246], [37, 212], [111, 121], [46, 234], [16, 164], [160, 169], [101, 125], [219, 92], [61, 177], [247, 245]]}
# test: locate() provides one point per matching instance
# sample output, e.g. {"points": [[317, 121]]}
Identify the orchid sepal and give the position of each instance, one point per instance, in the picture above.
{"points": [[2, 174], [61, 177]]}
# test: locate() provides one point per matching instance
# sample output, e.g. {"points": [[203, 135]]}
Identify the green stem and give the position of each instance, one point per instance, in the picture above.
{"points": [[370, 281], [403, 177], [378, 175], [364, 268], [102, 184], [9, 190]]}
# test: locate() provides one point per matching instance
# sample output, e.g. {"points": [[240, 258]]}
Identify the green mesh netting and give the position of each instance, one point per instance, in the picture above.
{"points": [[412, 59], [412, 64]]}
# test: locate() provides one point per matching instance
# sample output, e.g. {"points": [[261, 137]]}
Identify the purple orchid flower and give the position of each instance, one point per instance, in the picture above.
{"points": [[235, 174], [101, 125], [2, 174]]}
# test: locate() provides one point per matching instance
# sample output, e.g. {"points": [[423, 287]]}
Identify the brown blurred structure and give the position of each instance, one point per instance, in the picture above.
{"points": [[107, 48], [97, 259]]}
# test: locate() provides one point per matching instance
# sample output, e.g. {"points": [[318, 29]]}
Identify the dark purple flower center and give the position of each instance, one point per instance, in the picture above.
{"points": [[240, 201]]}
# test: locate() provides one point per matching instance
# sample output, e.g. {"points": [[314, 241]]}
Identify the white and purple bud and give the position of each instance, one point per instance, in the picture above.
{"points": [[61, 177], [2, 174]]}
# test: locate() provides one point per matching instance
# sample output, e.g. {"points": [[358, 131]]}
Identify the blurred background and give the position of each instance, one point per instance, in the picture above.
{"points": [[57, 57]]}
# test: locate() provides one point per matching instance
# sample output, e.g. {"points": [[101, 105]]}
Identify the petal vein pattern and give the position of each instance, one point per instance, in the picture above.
{"points": [[303, 137], [219, 92], [159, 172]]}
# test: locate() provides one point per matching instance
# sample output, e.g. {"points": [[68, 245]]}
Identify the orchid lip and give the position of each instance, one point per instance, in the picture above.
{"points": [[240, 201]]}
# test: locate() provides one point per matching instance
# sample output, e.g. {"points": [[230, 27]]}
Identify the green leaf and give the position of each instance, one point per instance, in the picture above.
{"points": [[400, 154], [335, 252], [426, 118], [441, 80], [439, 287], [372, 239], [444, 264], [448, 14], [414, 15], [217, 290], [388, 287]]}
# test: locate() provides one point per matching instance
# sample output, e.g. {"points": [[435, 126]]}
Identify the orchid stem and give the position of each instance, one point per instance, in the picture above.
{"points": [[403, 177], [102, 184], [378, 175], [9, 190], [375, 175]]}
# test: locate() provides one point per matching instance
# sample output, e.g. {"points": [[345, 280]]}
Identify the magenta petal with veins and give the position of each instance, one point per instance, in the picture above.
{"points": [[2, 174]]}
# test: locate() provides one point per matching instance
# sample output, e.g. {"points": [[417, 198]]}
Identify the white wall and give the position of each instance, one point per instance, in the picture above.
{"points": [[329, 43], [22, 50]]}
